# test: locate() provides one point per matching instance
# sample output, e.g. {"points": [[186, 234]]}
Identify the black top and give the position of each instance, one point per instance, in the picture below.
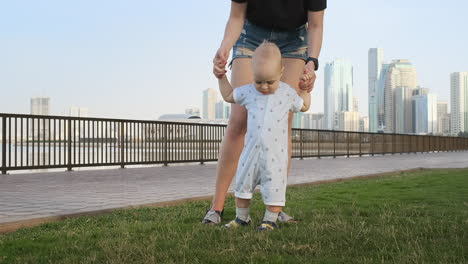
{"points": [[281, 14]]}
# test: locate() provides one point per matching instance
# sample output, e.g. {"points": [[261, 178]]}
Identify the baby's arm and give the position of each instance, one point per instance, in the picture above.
{"points": [[226, 89], [306, 97]]}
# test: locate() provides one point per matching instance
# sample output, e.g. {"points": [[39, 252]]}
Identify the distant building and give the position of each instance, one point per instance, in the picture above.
{"points": [[298, 120], [313, 121], [338, 91], [348, 121], [195, 111], [39, 106], [458, 102], [223, 110], [355, 104], [403, 110], [443, 118], [425, 113], [400, 73], [375, 66], [364, 124], [209, 103]]}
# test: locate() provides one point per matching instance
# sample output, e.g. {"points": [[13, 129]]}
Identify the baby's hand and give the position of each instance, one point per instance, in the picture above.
{"points": [[219, 63], [307, 80]]}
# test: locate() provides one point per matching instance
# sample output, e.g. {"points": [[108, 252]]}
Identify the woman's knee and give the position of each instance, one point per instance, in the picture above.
{"points": [[237, 126]]}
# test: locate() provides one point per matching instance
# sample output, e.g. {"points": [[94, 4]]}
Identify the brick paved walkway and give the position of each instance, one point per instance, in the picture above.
{"points": [[47, 194]]}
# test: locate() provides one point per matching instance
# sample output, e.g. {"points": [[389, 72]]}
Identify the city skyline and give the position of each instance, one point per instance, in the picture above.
{"points": [[117, 64]]}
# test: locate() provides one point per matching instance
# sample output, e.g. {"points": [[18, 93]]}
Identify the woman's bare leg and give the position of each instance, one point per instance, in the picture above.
{"points": [[233, 141], [292, 72]]}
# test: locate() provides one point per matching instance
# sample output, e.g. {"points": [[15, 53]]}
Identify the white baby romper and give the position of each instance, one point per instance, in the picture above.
{"points": [[264, 159]]}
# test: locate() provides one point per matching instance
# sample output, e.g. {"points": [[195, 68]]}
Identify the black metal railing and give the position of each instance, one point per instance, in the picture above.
{"points": [[40, 142]]}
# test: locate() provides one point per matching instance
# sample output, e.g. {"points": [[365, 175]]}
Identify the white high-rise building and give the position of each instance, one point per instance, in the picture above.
{"points": [[338, 91], [381, 98], [425, 113], [223, 110], [40, 106], [349, 121], [400, 73], [364, 124], [355, 104], [298, 120], [443, 118], [209, 103], [375, 60], [314, 120], [458, 102], [403, 110]]}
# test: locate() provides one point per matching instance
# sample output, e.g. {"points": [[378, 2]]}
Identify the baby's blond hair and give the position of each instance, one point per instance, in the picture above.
{"points": [[266, 53]]}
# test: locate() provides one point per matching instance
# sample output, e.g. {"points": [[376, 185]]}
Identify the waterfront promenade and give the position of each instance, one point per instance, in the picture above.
{"points": [[31, 198]]}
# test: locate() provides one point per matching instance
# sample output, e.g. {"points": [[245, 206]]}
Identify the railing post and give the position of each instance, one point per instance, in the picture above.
{"points": [[69, 165], [318, 143], [393, 143], [200, 145], [372, 144], [122, 145], [347, 141], [334, 144], [4, 171], [165, 144], [301, 138], [384, 145], [360, 144]]}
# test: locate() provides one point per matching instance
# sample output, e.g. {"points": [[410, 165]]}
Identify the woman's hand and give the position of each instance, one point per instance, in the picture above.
{"points": [[220, 61], [307, 80]]}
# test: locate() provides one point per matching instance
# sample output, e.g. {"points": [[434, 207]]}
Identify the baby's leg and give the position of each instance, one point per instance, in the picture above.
{"points": [[242, 209]]}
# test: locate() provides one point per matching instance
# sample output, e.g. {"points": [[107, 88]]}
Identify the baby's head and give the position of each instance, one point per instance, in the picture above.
{"points": [[267, 68]]}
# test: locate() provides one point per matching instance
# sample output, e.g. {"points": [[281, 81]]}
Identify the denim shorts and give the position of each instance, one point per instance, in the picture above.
{"points": [[292, 43]]}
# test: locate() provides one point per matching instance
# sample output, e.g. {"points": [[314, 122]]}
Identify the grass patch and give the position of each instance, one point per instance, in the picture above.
{"points": [[419, 217]]}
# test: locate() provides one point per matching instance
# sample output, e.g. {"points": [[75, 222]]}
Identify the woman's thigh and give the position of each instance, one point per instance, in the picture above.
{"points": [[241, 74], [292, 73]]}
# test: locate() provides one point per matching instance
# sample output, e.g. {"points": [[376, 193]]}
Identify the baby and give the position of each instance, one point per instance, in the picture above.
{"points": [[264, 159]]}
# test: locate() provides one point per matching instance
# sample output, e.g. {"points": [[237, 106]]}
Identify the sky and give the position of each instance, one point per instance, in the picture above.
{"points": [[141, 59]]}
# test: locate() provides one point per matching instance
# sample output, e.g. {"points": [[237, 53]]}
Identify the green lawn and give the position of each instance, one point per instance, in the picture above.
{"points": [[419, 217]]}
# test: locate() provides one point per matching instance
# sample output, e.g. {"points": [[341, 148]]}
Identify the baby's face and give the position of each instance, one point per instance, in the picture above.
{"points": [[267, 78]]}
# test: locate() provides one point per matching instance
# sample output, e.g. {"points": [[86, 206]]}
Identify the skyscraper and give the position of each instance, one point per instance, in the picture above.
{"points": [[313, 120], [298, 120], [425, 113], [400, 73], [338, 91], [375, 59], [209, 103], [40, 106], [348, 121], [223, 110], [381, 97], [443, 118], [458, 102], [364, 124], [403, 110]]}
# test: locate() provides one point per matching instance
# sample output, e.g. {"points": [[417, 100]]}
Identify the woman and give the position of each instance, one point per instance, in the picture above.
{"points": [[296, 26]]}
